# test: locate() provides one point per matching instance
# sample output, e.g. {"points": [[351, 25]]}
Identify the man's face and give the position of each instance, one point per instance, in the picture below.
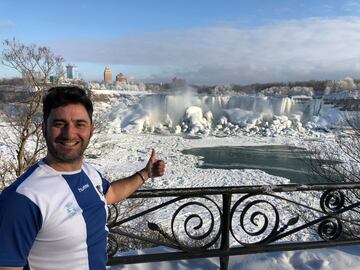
{"points": [[67, 132]]}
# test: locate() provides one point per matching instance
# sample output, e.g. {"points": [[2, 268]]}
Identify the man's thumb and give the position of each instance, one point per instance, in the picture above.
{"points": [[153, 156]]}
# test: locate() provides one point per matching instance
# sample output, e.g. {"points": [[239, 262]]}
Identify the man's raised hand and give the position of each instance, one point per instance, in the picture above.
{"points": [[155, 167]]}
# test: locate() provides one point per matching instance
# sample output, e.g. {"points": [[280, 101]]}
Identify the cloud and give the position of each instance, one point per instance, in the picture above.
{"points": [[351, 6], [6, 24], [293, 50]]}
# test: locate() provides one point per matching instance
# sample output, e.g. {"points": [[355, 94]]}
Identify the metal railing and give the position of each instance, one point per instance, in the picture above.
{"points": [[226, 221]]}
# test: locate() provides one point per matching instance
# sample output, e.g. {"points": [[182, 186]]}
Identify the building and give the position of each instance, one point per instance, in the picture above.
{"points": [[178, 83], [121, 78], [107, 75], [71, 72], [53, 78]]}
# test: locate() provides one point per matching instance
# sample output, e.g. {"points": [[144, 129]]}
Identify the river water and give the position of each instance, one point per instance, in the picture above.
{"points": [[280, 160]]}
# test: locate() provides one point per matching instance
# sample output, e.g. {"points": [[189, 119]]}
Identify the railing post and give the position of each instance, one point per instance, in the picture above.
{"points": [[224, 260]]}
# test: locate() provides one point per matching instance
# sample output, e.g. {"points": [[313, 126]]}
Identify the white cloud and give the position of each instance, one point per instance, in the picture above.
{"points": [[293, 50], [6, 24], [351, 6]]}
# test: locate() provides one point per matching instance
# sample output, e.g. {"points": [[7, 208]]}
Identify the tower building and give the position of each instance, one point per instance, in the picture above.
{"points": [[71, 72], [107, 75]]}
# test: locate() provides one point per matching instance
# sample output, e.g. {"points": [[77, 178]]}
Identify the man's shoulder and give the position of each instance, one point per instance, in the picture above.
{"points": [[34, 183], [95, 176], [86, 164], [20, 180], [11, 198], [90, 169]]}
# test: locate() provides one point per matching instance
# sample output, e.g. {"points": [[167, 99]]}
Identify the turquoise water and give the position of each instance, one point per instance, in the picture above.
{"points": [[279, 160]]}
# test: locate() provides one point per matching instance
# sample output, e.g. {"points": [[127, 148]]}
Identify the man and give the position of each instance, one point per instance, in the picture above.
{"points": [[54, 215]]}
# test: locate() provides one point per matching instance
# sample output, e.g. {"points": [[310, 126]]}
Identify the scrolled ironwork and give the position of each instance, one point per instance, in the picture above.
{"points": [[330, 229], [199, 234], [332, 201], [112, 215], [112, 245], [112, 242], [258, 218]]}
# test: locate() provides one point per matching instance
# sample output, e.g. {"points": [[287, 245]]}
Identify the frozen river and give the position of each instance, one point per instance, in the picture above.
{"points": [[279, 160]]}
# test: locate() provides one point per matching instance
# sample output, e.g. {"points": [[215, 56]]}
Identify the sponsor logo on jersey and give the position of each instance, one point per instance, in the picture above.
{"points": [[81, 189]]}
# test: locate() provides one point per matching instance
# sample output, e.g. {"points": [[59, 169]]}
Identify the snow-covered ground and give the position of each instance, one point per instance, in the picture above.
{"points": [[118, 155], [122, 148], [316, 259], [121, 154], [119, 148]]}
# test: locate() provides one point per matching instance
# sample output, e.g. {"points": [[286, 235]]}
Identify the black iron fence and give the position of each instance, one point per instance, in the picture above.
{"points": [[226, 221]]}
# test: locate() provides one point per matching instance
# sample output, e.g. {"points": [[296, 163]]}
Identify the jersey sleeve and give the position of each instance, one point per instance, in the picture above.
{"points": [[105, 183], [20, 221]]}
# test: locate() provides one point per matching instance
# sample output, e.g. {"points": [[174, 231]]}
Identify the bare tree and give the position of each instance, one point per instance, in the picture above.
{"points": [[35, 64], [339, 161]]}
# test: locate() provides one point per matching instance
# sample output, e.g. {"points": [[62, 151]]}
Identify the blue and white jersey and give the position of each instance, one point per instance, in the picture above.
{"points": [[54, 220]]}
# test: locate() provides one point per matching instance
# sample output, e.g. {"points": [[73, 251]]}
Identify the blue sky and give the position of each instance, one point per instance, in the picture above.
{"points": [[203, 41]]}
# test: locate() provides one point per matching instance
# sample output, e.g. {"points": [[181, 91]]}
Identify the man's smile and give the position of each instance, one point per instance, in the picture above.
{"points": [[69, 143]]}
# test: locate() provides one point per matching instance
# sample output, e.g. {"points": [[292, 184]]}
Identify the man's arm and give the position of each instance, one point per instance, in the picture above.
{"points": [[123, 188], [11, 268], [20, 222]]}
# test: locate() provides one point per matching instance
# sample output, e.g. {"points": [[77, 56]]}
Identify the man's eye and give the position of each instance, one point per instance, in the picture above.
{"points": [[58, 124], [80, 125]]}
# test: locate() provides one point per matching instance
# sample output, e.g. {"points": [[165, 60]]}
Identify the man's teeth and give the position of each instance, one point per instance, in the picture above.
{"points": [[69, 143]]}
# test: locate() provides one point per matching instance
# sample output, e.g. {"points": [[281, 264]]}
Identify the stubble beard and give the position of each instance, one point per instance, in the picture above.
{"points": [[62, 156]]}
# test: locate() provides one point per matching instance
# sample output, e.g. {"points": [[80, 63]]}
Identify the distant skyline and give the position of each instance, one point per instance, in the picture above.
{"points": [[202, 41]]}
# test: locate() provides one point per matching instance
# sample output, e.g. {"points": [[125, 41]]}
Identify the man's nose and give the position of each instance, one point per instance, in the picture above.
{"points": [[68, 131]]}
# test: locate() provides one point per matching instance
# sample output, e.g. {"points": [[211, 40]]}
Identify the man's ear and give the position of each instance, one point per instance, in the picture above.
{"points": [[43, 127], [92, 128]]}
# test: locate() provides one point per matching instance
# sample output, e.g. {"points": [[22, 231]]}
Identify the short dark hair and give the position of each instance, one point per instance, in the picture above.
{"points": [[64, 95]]}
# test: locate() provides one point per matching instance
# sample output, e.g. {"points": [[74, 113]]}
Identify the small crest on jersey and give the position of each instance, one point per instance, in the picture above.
{"points": [[99, 188], [71, 209]]}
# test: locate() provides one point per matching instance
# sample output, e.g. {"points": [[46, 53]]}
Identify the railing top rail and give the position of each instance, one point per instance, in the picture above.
{"points": [[256, 189]]}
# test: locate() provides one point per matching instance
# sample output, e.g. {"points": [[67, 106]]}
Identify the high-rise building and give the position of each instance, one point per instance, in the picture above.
{"points": [[107, 74], [71, 72], [178, 83]]}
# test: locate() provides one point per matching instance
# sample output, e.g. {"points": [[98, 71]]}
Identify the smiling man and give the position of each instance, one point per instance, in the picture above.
{"points": [[54, 216]]}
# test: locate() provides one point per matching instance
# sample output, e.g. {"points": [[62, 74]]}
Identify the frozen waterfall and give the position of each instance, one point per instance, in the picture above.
{"points": [[204, 114]]}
